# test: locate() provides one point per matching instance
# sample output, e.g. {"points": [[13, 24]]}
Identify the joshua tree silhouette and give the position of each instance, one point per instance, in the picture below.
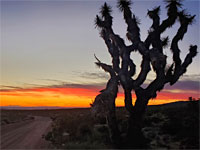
{"points": [[123, 68]]}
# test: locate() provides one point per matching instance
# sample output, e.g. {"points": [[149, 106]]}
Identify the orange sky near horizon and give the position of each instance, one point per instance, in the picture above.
{"points": [[74, 97]]}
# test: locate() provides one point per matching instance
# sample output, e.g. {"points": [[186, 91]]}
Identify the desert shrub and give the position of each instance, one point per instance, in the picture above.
{"points": [[172, 126], [76, 130], [84, 132], [85, 145], [183, 125], [5, 121], [193, 105]]}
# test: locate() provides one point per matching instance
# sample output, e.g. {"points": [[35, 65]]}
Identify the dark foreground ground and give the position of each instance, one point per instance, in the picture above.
{"points": [[169, 126]]}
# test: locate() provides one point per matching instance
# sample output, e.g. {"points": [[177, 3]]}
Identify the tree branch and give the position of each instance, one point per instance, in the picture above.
{"points": [[112, 49], [184, 20], [133, 31], [154, 36], [188, 60], [145, 68], [105, 67], [158, 61], [172, 13]]}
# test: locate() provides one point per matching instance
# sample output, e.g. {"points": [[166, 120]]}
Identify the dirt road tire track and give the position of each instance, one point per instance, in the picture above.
{"points": [[25, 135]]}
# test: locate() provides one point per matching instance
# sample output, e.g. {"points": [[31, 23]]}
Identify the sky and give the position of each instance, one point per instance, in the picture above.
{"points": [[48, 47]]}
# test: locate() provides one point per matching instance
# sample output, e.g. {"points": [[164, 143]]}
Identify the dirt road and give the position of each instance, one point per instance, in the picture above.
{"points": [[26, 134]]}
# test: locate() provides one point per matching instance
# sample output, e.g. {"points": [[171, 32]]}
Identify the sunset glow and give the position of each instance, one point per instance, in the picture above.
{"points": [[75, 97]]}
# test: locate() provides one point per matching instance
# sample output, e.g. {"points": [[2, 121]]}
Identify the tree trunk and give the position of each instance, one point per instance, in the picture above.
{"points": [[113, 126], [135, 138], [105, 104]]}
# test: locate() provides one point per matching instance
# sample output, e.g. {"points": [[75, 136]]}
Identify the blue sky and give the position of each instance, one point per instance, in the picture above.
{"points": [[44, 41]]}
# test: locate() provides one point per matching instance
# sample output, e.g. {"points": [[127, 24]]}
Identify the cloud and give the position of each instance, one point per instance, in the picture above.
{"points": [[60, 85], [29, 93], [80, 86], [95, 75], [194, 77], [54, 80], [184, 85], [10, 87], [92, 75], [187, 85]]}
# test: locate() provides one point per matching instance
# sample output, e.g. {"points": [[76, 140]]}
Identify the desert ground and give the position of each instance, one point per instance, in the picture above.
{"points": [[25, 134], [168, 126]]}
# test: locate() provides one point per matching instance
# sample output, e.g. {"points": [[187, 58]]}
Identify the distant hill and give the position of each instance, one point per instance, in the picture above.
{"points": [[173, 104]]}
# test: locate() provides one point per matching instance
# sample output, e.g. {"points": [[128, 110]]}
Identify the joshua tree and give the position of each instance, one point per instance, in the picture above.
{"points": [[123, 68]]}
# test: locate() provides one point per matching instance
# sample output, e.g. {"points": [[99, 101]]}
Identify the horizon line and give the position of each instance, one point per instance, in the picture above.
{"points": [[62, 107]]}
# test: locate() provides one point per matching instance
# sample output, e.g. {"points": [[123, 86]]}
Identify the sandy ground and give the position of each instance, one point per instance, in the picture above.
{"points": [[26, 134]]}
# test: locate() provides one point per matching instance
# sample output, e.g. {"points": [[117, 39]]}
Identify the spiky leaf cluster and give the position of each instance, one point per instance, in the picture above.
{"points": [[105, 10], [124, 4], [154, 12]]}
